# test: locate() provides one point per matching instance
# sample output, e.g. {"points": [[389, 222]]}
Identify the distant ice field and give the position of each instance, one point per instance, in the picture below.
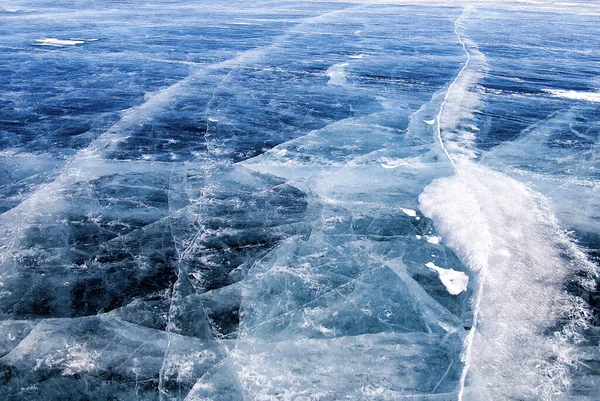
{"points": [[281, 200]]}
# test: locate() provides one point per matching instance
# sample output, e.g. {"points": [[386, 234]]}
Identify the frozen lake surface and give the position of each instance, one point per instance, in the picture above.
{"points": [[280, 200]]}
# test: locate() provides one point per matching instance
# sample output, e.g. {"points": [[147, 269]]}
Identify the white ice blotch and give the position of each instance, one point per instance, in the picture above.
{"points": [[358, 56], [575, 95], [57, 42], [454, 281], [429, 122], [434, 239], [409, 212]]}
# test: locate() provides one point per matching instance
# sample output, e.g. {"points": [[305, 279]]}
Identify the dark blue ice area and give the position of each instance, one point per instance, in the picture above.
{"points": [[527, 53]]}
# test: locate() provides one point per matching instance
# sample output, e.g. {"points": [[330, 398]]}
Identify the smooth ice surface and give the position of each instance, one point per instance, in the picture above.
{"points": [[318, 200]]}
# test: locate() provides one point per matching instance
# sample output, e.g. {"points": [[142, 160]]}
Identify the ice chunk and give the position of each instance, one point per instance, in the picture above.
{"points": [[57, 42], [409, 212], [455, 282], [432, 239]]}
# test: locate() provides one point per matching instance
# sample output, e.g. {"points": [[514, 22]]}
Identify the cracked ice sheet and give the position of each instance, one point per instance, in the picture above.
{"points": [[338, 174], [265, 284], [79, 353], [384, 366]]}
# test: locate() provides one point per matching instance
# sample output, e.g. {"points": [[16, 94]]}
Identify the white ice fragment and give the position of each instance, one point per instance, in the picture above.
{"points": [[575, 95], [429, 122], [358, 56], [410, 212], [418, 237], [57, 42], [434, 239], [454, 281]]}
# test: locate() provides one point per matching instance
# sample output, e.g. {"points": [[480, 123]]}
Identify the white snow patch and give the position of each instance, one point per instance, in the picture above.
{"points": [[429, 122], [434, 239], [57, 42], [575, 95], [410, 212], [454, 281]]}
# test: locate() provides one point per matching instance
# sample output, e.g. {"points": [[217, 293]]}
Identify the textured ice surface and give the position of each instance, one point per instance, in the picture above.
{"points": [[391, 200]]}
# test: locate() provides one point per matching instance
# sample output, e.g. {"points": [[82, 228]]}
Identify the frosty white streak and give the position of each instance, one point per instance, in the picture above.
{"points": [[443, 104], [484, 268]]}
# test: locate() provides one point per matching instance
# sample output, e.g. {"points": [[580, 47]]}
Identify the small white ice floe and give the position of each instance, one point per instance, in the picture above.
{"points": [[433, 239], [454, 281], [429, 122], [358, 56], [61, 42], [57, 42], [409, 212]]}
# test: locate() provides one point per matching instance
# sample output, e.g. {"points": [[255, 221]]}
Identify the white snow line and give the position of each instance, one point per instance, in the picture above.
{"points": [[464, 67], [478, 295]]}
